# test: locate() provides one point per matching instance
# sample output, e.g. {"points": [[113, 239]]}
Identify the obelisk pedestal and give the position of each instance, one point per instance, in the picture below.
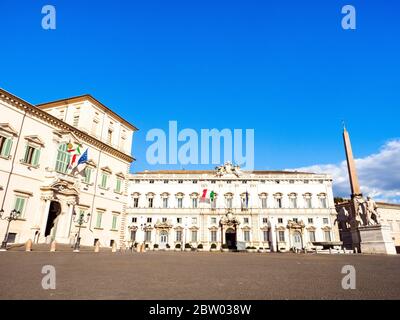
{"points": [[376, 239]]}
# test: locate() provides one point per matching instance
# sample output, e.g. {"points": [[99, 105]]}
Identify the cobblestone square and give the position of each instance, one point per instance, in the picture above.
{"points": [[197, 275]]}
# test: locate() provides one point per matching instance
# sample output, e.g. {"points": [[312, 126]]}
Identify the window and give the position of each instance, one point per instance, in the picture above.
{"points": [[151, 181], [244, 181], [266, 235], [213, 236], [308, 202], [109, 136], [246, 234], [194, 220], [11, 237], [75, 121], [264, 203], [280, 220], [134, 220], [94, 127], [114, 222], [103, 182], [149, 220], [147, 236], [19, 204], [150, 202], [213, 181], [165, 202], [194, 236], [99, 218], [136, 202], [178, 235], [133, 235], [31, 155], [213, 220], [229, 203], [311, 236], [194, 202], [228, 181], [327, 236], [262, 181], [63, 158], [291, 181], [180, 181], [165, 181], [306, 181], [295, 220], [164, 219], [325, 220], [245, 220], [88, 175], [293, 202], [137, 181], [310, 220], [281, 235], [278, 203], [265, 220], [322, 201], [5, 146], [178, 220], [194, 181], [180, 201], [118, 185]]}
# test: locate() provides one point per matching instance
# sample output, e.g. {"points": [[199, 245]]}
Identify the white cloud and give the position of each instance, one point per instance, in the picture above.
{"points": [[379, 174]]}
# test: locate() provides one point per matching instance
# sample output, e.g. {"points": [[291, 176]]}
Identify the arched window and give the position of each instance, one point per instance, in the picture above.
{"points": [[63, 158]]}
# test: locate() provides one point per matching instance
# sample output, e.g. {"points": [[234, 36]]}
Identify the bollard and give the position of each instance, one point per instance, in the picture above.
{"points": [[53, 246], [28, 245], [138, 247], [114, 247], [97, 246]]}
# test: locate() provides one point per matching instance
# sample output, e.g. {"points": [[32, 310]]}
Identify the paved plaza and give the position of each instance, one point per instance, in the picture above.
{"points": [[197, 275]]}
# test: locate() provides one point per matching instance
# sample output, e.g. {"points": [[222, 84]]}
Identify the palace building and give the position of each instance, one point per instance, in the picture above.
{"points": [[275, 210], [41, 148]]}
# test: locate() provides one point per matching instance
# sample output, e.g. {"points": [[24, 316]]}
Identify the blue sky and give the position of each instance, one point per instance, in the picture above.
{"points": [[284, 68]]}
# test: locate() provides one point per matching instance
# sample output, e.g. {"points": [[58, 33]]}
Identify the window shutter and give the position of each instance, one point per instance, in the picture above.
{"points": [[7, 148], [36, 155]]}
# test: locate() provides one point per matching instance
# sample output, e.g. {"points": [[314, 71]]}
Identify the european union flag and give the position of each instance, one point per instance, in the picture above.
{"points": [[83, 158]]}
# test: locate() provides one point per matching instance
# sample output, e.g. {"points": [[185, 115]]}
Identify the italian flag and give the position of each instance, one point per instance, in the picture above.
{"points": [[75, 151], [207, 195]]}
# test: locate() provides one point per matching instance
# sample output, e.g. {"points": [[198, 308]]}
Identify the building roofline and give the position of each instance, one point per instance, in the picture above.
{"points": [[213, 172], [59, 123], [81, 98]]}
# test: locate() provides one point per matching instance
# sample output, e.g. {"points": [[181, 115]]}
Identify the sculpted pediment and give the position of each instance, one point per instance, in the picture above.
{"points": [[35, 140], [228, 170], [66, 136], [6, 127]]}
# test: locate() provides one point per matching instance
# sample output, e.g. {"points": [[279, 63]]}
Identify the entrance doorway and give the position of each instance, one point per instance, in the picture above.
{"points": [[163, 239], [51, 226], [230, 238], [297, 243]]}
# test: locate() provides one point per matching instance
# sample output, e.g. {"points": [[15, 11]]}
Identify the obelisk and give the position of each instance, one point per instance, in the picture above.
{"points": [[351, 166]]}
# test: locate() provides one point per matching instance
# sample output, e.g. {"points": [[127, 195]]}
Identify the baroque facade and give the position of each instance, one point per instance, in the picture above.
{"points": [[37, 147], [275, 210]]}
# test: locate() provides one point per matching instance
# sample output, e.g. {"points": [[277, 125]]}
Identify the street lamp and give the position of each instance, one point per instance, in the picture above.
{"points": [[13, 216], [79, 220]]}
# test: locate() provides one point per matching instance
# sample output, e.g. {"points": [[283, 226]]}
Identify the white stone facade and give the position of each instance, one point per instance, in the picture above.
{"points": [[34, 175], [283, 210]]}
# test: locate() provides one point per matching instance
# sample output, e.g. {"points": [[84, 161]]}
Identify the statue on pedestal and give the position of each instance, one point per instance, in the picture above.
{"points": [[372, 210]]}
